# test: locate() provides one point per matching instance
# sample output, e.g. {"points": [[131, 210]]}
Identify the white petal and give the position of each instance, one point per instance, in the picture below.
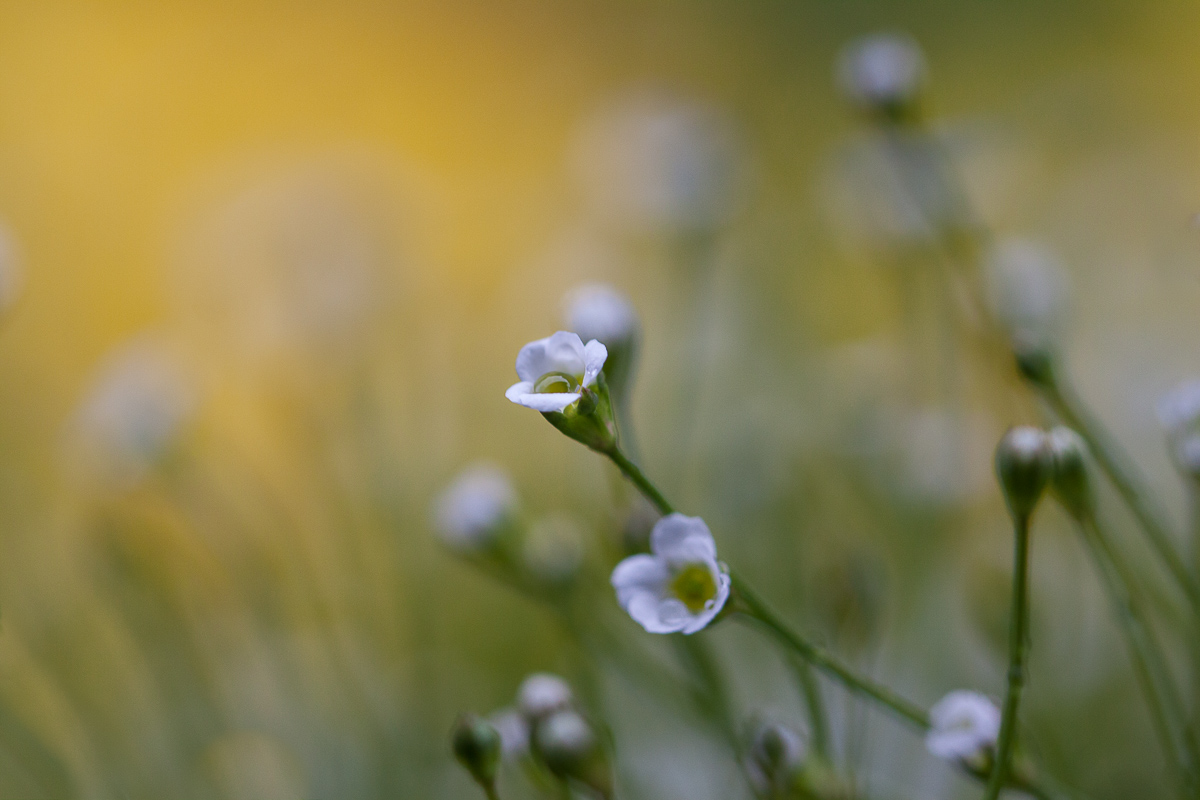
{"points": [[645, 608], [542, 402], [562, 352], [640, 573], [677, 535], [594, 356], [519, 390], [712, 608]]}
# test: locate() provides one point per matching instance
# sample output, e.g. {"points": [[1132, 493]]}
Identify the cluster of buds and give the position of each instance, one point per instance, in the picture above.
{"points": [[545, 730], [1029, 461]]}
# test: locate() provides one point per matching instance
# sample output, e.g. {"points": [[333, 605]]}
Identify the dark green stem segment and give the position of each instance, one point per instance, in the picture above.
{"points": [[631, 471], [818, 717], [490, 791], [1119, 468], [758, 610], [1018, 636]]}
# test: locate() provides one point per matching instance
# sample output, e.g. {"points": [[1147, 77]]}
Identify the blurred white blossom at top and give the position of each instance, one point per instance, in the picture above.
{"points": [[654, 162], [882, 69], [1027, 288], [598, 311], [1179, 408], [472, 511]]}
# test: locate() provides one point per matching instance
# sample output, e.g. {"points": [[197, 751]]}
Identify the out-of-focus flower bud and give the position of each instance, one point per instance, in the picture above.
{"points": [[774, 758], [1185, 451], [1179, 409], [1026, 291], [476, 745], [882, 73], [542, 694], [600, 312], [513, 728], [1024, 466], [963, 728], [566, 743], [475, 510], [553, 550], [1070, 482]]}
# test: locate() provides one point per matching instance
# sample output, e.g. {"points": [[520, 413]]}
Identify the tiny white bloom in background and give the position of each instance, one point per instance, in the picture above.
{"points": [[680, 587], [473, 510], [883, 69], [514, 733], [137, 407], [555, 371], [598, 311], [1027, 288], [964, 725], [1179, 408], [542, 694]]}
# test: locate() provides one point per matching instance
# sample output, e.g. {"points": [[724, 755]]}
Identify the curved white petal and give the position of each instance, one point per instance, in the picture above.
{"points": [[645, 608], [712, 608], [678, 535], [562, 352], [542, 402], [594, 356], [519, 390], [640, 573]]}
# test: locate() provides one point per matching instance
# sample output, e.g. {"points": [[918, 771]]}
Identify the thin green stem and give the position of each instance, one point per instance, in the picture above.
{"points": [[1163, 700], [489, 791], [1018, 627], [634, 473], [1123, 475], [818, 716]]}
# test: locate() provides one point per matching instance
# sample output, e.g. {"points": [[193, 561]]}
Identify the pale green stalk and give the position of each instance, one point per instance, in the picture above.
{"points": [[1018, 626]]}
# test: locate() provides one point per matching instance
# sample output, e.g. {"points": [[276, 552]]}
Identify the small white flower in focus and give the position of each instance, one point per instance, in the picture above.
{"points": [[1179, 408], [555, 371], [542, 694], [964, 725], [1027, 289], [134, 413], [680, 587], [473, 510], [883, 70], [597, 311], [514, 733]]}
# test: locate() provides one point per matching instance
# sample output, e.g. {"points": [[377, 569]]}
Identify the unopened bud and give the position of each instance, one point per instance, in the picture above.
{"points": [[476, 745], [570, 749], [542, 694], [775, 756], [1023, 464], [597, 311], [1070, 482], [883, 73]]}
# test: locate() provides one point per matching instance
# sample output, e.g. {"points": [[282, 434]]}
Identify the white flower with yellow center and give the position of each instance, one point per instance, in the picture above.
{"points": [[964, 726], [556, 371], [680, 587]]}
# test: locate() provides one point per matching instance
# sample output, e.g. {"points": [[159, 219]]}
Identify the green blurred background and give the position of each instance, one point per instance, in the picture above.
{"points": [[327, 228]]}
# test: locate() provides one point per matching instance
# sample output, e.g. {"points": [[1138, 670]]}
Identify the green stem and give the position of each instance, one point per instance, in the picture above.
{"points": [[1163, 701], [818, 716], [1018, 627], [631, 471], [1123, 474], [489, 791]]}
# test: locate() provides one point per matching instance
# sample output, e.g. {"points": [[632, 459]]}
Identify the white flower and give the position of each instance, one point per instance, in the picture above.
{"points": [[681, 587], [1180, 408], [963, 726], [1026, 288], [542, 694], [564, 739], [1187, 454], [514, 733], [597, 311], [555, 371], [883, 69], [473, 509]]}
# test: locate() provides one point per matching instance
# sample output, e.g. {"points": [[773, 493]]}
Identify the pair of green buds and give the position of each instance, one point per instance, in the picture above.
{"points": [[1030, 460]]}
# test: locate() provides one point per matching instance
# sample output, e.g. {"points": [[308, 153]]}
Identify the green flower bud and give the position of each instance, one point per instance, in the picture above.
{"points": [[589, 421], [1070, 482], [476, 745], [1024, 466], [570, 749]]}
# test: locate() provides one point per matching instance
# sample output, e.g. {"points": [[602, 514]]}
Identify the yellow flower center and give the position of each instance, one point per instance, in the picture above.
{"points": [[557, 383], [694, 586]]}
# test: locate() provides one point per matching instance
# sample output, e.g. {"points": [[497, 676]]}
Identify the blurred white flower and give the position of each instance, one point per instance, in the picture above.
{"points": [[881, 70], [963, 726], [564, 737], [134, 412], [542, 694], [776, 752], [514, 733], [553, 549], [655, 162], [1027, 289], [1186, 452], [681, 586], [598, 311], [1179, 408], [555, 371], [474, 509]]}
